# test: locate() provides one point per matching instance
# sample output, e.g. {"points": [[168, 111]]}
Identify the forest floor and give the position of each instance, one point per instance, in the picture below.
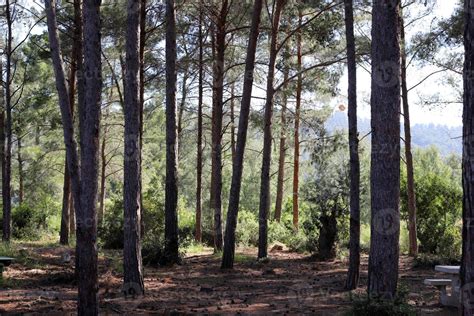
{"points": [[289, 283]]}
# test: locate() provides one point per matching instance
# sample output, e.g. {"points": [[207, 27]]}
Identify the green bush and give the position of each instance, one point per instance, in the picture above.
{"points": [[247, 229], [28, 222], [439, 204], [362, 305]]}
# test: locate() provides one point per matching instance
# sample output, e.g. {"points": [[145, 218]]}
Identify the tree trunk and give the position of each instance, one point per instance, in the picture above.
{"points": [[354, 240], [413, 244], [182, 105], [65, 218], [327, 237], [237, 166], [385, 166], [84, 182], [267, 137], [296, 158], [20, 174], [143, 13], [2, 123], [232, 120], [132, 262], [72, 217], [282, 153], [67, 211], [6, 177], [217, 112], [103, 169], [198, 235], [467, 265], [171, 194]]}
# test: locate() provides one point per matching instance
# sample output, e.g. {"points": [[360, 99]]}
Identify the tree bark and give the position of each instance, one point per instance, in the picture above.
{"points": [[385, 166], [103, 169], [2, 124], [21, 191], [237, 166], [65, 218], [217, 113], [232, 120], [413, 244], [354, 240], [198, 235], [282, 152], [83, 180], [296, 158], [267, 136], [90, 116], [6, 177], [171, 195], [66, 210], [132, 262], [467, 264]]}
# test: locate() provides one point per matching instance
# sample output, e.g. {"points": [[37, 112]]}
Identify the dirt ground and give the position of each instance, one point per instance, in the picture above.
{"points": [[288, 284]]}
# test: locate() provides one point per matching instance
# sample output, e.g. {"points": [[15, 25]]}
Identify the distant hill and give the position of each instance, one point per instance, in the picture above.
{"points": [[447, 139]]}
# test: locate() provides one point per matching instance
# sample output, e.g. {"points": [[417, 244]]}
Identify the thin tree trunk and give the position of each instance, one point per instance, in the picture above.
{"points": [[282, 152], [238, 163], [21, 191], [413, 244], [296, 158], [171, 194], [354, 240], [72, 217], [182, 105], [66, 211], [2, 122], [232, 120], [217, 113], [385, 166], [264, 208], [6, 177], [467, 265], [65, 218], [103, 169], [132, 262], [198, 235]]}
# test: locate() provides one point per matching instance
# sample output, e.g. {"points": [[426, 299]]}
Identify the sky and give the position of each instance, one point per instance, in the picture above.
{"points": [[449, 115]]}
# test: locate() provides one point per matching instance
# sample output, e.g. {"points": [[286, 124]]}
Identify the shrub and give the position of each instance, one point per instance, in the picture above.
{"points": [[28, 222], [247, 229], [362, 305]]}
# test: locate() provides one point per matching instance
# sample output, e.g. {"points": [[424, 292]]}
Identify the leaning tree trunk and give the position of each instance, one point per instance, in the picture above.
{"points": [[198, 235], [132, 257], [238, 163], [171, 194], [217, 112], [7, 163], [354, 242], [296, 158], [385, 167], [66, 211], [413, 244], [467, 265], [267, 137], [84, 182]]}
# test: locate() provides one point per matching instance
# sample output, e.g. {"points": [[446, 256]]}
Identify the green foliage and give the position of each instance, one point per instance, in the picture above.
{"points": [[30, 223], [439, 203], [247, 229], [362, 305]]}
